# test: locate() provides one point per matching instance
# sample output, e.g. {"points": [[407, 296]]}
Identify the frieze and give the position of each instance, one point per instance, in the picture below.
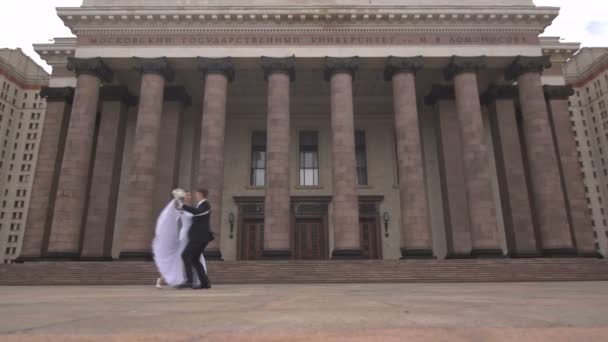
{"points": [[307, 39]]}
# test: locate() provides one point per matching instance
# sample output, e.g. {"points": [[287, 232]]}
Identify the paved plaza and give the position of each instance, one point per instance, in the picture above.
{"points": [[388, 312]]}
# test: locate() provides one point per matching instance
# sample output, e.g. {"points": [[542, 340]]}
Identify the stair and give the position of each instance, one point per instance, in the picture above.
{"points": [[291, 271]]}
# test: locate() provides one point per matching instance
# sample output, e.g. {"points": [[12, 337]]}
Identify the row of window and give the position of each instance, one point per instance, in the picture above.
{"points": [[308, 162], [17, 215]]}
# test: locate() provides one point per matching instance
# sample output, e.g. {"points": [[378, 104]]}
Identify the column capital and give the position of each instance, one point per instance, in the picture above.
{"points": [[499, 92], [64, 94], [525, 64], [396, 65], [90, 66], [460, 64], [159, 66], [558, 92], [340, 65], [178, 94], [284, 65], [117, 93], [221, 65], [439, 92]]}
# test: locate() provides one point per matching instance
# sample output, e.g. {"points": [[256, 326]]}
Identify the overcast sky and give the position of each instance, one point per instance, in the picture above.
{"points": [[24, 22]]}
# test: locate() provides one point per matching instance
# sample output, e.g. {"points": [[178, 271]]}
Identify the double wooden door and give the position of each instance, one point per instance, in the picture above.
{"points": [[252, 239], [369, 237], [309, 239]]}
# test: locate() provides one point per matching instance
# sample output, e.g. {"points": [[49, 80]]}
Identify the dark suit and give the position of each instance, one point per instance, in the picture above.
{"points": [[199, 237]]}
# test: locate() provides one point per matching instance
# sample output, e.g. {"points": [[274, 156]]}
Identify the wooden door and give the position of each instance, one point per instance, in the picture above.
{"points": [[252, 239], [369, 238], [309, 239]]}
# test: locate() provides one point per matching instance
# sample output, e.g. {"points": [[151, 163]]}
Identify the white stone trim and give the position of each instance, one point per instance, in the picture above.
{"points": [[342, 51]]}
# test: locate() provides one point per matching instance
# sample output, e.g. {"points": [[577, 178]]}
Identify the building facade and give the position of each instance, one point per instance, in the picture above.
{"points": [[21, 120], [322, 129], [587, 71]]}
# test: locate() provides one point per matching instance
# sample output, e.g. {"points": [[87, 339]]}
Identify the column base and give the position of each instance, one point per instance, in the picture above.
{"points": [[560, 253], [487, 254], [597, 255], [135, 256], [347, 254], [62, 256], [24, 259], [525, 255], [213, 255], [458, 255], [89, 258], [417, 254], [276, 254]]}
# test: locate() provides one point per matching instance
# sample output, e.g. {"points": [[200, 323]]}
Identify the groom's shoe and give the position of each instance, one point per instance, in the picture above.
{"points": [[186, 285]]}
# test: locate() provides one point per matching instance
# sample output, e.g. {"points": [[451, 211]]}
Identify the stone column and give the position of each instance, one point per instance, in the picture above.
{"points": [[218, 72], [169, 151], [72, 186], [482, 211], [50, 155], [451, 171], [139, 230], [103, 194], [279, 73], [543, 167], [516, 207], [340, 73], [416, 239], [572, 181]]}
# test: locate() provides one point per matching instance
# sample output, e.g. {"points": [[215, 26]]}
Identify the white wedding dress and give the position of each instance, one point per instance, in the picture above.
{"points": [[169, 243]]}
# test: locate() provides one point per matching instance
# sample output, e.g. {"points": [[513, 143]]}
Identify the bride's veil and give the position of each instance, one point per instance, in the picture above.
{"points": [[166, 246]]}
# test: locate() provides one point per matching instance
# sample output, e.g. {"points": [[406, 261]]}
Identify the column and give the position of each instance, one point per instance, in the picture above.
{"points": [[72, 186], [451, 171], [549, 206], [169, 150], [279, 73], [340, 73], [218, 72], [50, 155], [482, 211], [517, 213], [103, 194], [572, 181], [139, 230], [416, 239]]}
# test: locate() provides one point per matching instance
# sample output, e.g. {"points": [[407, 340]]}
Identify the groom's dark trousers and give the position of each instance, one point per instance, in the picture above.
{"points": [[199, 237]]}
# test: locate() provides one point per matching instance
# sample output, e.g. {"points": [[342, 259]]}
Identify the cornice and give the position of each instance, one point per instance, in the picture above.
{"points": [[396, 65], [158, 66], [117, 93], [439, 92], [222, 66], [90, 66], [178, 94], [79, 19], [65, 94], [460, 64], [525, 64], [558, 92], [499, 92], [335, 65], [282, 64]]}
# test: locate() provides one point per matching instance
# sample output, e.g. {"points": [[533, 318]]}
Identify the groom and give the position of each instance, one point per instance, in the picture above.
{"points": [[199, 237]]}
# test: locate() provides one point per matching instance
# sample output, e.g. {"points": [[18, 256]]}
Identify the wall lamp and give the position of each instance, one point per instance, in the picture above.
{"points": [[386, 218], [231, 219]]}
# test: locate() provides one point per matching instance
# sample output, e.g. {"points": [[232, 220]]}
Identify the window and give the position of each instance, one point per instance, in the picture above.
{"points": [[258, 158], [309, 158], [361, 157]]}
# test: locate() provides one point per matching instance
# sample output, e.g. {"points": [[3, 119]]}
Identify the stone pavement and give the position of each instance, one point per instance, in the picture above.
{"points": [[576, 311]]}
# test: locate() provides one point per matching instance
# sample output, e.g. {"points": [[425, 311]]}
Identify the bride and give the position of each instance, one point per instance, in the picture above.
{"points": [[170, 241]]}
